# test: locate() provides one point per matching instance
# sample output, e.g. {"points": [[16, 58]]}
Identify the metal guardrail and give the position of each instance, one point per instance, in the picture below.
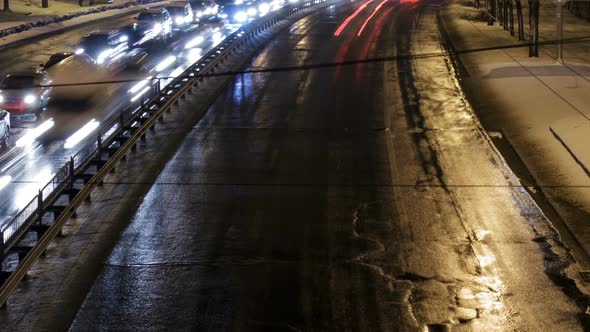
{"points": [[144, 112]]}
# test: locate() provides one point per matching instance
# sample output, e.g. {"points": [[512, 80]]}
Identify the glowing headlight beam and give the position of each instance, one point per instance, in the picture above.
{"points": [[32, 135], [29, 99], [82, 133], [140, 85], [194, 42], [144, 90], [5, 181], [165, 63]]}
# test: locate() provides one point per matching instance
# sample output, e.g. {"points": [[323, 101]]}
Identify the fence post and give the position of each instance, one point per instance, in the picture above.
{"points": [[99, 142], [71, 166], [40, 204]]}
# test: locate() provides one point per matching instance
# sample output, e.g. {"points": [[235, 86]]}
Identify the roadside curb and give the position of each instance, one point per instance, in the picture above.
{"points": [[57, 28]]}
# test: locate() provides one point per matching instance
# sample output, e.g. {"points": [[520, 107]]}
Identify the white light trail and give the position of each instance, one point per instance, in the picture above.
{"points": [[165, 63], [146, 89], [140, 85], [194, 42], [176, 72], [82, 133], [4, 181], [32, 135]]}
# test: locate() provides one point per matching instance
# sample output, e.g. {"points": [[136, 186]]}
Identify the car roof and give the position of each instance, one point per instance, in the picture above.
{"points": [[153, 11], [23, 73]]}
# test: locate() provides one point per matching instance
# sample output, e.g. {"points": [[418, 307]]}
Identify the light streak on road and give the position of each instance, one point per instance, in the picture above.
{"points": [[140, 85], [146, 89], [194, 42], [217, 37], [32, 135], [82, 133], [165, 63], [23, 193], [370, 17], [5, 181], [351, 17], [177, 71], [194, 54]]}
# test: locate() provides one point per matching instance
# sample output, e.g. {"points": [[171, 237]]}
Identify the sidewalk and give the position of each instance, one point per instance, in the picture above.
{"points": [[28, 20], [540, 107]]}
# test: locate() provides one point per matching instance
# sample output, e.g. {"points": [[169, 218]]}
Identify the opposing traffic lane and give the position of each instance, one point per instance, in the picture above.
{"points": [[362, 197]]}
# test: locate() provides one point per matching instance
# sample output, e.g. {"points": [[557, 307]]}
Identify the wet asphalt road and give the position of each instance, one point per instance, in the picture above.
{"points": [[29, 55], [357, 197]]}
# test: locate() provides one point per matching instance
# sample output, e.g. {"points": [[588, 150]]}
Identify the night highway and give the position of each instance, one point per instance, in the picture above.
{"points": [[329, 174]]}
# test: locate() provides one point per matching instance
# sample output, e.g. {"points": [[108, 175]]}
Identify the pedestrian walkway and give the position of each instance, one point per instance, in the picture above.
{"points": [[540, 106]]}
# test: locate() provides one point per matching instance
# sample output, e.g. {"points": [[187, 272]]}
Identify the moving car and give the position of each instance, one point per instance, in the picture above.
{"points": [[204, 9], [102, 46], [25, 92], [238, 12], [4, 129], [72, 75], [182, 14], [151, 25]]}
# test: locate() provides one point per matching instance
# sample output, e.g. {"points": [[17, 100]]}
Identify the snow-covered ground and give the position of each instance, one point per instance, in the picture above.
{"points": [[540, 106]]}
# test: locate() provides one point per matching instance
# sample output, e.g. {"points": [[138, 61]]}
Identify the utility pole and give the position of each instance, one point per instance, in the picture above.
{"points": [[533, 28], [559, 26], [6, 5]]}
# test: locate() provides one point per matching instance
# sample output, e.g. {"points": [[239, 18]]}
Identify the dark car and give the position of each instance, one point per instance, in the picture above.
{"points": [[151, 25], [4, 128], [238, 12], [204, 9], [55, 59], [25, 93], [101, 46], [182, 15]]}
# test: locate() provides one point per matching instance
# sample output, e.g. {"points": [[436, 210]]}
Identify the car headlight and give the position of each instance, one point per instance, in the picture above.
{"points": [[252, 12], [241, 16], [263, 8], [179, 20], [29, 99], [157, 28]]}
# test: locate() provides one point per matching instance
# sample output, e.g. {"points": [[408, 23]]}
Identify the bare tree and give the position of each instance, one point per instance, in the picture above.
{"points": [[533, 28], [520, 19], [492, 12], [511, 14]]}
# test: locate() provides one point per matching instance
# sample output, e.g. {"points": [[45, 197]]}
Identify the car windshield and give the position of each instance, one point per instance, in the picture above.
{"points": [[176, 10], [148, 17], [232, 7], [17, 82]]}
